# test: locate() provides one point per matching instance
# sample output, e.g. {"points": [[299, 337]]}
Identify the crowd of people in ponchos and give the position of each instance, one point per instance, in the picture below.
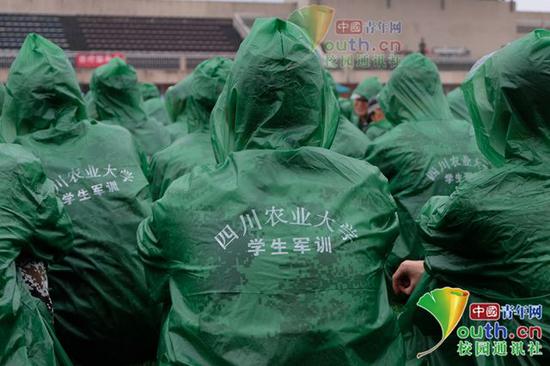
{"points": [[252, 216]]}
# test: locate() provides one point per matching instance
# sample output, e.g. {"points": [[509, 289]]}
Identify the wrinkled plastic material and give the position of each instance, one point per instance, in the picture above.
{"points": [[320, 306], [28, 107], [377, 129], [458, 105], [148, 91], [368, 88], [2, 92], [103, 312], [34, 223], [427, 154], [491, 236], [311, 121], [501, 129], [332, 83], [90, 106], [153, 104], [116, 98], [179, 159], [190, 102], [346, 107], [198, 91], [156, 109], [349, 139]]}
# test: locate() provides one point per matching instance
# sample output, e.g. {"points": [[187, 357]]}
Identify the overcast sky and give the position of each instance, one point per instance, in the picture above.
{"points": [[522, 5], [533, 5]]}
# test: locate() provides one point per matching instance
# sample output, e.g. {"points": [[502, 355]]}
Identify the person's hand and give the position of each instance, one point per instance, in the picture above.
{"points": [[406, 277]]}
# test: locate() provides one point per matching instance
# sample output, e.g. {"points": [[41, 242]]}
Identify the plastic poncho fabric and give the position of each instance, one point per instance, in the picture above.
{"points": [[368, 88], [2, 92], [156, 109], [33, 222], [427, 154], [377, 129], [179, 159], [282, 233], [491, 236], [190, 102], [346, 107], [103, 312], [349, 139], [332, 83], [148, 91], [458, 105], [153, 103], [116, 98], [199, 92], [90, 106]]}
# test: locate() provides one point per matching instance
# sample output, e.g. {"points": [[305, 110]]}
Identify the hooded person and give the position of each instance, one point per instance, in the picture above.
{"points": [[148, 91], [252, 257], [103, 313], [378, 124], [367, 89], [346, 107], [153, 103], [2, 92], [349, 140], [199, 91], [190, 102], [90, 106], [458, 105], [490, 237], [427, 154], [116, 99], [34, 231]]}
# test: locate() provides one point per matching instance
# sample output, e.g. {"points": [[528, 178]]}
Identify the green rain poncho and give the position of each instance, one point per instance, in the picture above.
{"points": [[103, 313], [275, 256], [153, 104], [90, 106], [200, 92], [346, 107], [491, 236], [32, 221], [427, 154], [116, 98], [349, 139], [458, 105], [190, 102], [377, 129], [368, 88], [2, 92], [148, 91]]}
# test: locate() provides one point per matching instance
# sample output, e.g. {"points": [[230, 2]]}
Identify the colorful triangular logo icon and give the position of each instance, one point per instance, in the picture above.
{"points": [[446, 305]]}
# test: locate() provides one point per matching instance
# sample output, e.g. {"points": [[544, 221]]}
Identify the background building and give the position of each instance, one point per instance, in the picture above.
{"points": [[166, 39]]}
